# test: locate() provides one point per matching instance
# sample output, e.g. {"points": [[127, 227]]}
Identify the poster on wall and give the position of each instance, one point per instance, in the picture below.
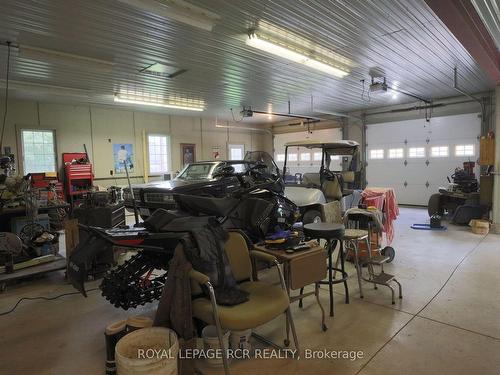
{"points": [[216, 152], [123, 153], [188, 153]]}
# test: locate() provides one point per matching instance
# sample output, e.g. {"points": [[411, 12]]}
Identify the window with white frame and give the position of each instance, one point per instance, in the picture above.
{"points": [[439, 151], [416, 152], [236, 152], [39, 151], [292, 157], [377, 154], [396, 153], [464, 150], [317, 156], [159, 153], [305, 156], [280, 157]]}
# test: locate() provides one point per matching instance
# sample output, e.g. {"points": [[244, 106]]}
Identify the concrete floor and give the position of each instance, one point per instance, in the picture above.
{"points": [[447, 323]]}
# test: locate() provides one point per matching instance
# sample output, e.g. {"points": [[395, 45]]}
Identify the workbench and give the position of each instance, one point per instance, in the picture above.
{"points": [[58, 263], [6, 214]]}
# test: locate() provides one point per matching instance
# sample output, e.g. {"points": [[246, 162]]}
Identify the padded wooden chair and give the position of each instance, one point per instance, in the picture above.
{"points": [[266, 301]]}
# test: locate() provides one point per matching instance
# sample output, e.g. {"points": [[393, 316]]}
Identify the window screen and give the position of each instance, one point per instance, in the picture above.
{"points": [[464, 150], [439, 151], [236, 152], [396, 153], [39, 152], [416, 152], [306, 156], [280, 157], [158, 146], [377, 154]]}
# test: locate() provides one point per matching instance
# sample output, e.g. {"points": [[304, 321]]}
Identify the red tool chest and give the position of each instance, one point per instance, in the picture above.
{"points": [[78, 176]]}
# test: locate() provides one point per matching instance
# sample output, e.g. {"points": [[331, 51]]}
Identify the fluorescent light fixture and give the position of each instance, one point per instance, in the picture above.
{"points": [[177, 10], [32, 88], [296, 53], [63, 58], [184, 104]]}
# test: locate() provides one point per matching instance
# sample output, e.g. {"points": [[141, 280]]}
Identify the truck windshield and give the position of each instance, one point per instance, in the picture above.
{"points": [[201, 171]]}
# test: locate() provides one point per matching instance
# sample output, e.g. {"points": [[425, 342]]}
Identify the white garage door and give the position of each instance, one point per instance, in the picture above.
{"points": [[302, 160], [414, 157]]}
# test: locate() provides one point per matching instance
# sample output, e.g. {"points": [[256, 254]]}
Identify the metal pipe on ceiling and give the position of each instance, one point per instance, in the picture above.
{"points": [[455, 86], [417, 108]]}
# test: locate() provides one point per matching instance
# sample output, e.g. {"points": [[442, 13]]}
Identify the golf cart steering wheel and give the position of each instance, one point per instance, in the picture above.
{"points": [[327, 174]]}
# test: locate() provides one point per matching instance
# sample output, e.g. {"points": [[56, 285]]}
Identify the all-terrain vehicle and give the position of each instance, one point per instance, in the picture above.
{"points": [[338, 175]]}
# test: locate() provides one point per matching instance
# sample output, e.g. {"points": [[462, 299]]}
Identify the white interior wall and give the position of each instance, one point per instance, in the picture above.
{"points": [[99, 127]]}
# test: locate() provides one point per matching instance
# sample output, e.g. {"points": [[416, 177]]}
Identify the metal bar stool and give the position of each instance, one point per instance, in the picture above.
{"points": [[352, 237], [333, 234]]}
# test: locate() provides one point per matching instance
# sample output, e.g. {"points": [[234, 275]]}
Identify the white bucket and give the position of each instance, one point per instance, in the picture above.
{"points": [[151, 351], [240, 339], [212, 347], [138, 322]]}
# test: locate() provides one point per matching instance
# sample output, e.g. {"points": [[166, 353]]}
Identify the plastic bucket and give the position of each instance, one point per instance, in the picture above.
{"points": [[240, 339], [151, 351], [212, 347], [137, 322]]}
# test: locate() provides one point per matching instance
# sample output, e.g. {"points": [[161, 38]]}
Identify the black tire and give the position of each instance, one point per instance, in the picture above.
{"points": [[389, 252], [434, 205], [311, 216]]}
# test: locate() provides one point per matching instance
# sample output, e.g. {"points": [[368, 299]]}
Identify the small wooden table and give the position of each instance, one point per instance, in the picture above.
{"points": [[302, 268]]}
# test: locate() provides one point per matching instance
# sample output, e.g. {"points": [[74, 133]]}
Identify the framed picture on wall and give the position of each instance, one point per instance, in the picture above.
{"points": [[188, 153], [123, 153]]}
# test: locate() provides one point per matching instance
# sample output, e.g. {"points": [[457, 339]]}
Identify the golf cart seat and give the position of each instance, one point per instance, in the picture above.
{"points": [[311, 179], [348, 176], [332, 190]]}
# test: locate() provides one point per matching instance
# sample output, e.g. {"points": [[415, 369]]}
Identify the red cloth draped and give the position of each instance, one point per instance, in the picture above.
{"points": [[385, 200]]}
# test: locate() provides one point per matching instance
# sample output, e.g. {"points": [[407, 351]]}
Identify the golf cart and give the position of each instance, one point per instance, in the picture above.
{"points": [[338, 175]]}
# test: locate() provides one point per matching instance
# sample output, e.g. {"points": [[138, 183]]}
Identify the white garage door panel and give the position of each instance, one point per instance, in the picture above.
{"points": [[440, 131], [411, 194], [383, 171]]}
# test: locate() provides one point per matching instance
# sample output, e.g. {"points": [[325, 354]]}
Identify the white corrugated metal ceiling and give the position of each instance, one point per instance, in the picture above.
{"points": [[402, 37]]}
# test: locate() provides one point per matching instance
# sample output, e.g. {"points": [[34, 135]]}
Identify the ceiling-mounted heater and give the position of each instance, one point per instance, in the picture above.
{"points": [[379, 86]]}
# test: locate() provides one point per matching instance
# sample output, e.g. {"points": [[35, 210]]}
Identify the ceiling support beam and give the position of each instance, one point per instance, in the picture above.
{"points": [[463, 21]]}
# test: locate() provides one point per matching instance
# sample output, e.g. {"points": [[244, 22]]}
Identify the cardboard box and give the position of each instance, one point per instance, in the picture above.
{"points": [[487, 151], [72, 236], [480, 226]]}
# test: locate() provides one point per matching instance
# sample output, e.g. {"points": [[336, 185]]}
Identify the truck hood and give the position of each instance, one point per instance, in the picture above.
{"points": [[170, 185]]}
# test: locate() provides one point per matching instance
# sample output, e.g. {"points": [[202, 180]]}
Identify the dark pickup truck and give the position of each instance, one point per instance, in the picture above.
{"points": [[199, 178]]}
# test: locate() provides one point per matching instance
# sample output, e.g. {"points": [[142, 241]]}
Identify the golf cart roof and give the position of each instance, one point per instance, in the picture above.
{"points": [[343, 147]]}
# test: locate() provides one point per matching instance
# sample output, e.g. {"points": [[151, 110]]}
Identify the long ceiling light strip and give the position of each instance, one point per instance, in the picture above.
{"points": [[58, 57], [178, 10], [186, 105], [296, 54]]}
